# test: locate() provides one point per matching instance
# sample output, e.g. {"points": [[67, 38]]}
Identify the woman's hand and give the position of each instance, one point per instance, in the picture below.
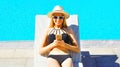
{"points": [[58, 43]]}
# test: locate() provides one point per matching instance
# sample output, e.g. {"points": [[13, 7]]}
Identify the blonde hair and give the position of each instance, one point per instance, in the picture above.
{"points": [[52, 24]]}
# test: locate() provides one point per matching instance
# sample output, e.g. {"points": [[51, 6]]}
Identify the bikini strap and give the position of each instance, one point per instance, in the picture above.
{"points": [[51, 31]]}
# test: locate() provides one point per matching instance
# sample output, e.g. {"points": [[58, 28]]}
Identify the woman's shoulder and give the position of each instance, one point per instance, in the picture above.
{"points": [[68, 29], [48, 29]]}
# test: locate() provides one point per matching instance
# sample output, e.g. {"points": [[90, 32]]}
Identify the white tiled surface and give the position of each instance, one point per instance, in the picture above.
{"points": [[16, 62], [6, 53], [29, 62], [16, 54], [16, 44], [25, 52], [99, 51], [12, 62]]}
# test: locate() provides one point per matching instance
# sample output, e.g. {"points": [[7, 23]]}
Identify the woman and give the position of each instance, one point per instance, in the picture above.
{"points": [[59, 40]]}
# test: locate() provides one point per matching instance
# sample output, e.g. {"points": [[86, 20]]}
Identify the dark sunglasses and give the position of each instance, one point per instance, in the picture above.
{"points": [[58, 17]]}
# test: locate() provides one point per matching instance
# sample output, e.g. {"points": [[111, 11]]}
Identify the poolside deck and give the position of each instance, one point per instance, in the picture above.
{"points": [[94, 53]]}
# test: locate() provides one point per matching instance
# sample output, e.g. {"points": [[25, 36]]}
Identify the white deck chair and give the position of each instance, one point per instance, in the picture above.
{"points": [[42, 22]]}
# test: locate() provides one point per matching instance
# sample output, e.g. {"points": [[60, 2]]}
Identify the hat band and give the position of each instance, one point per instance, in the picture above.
{"points": [[58, 10]]}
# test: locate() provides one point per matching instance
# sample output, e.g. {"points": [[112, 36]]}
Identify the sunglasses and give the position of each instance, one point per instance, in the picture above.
{"points": [[58, 17]]}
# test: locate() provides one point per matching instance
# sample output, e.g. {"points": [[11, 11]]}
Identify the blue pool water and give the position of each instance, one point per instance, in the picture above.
{"points": [[98, 19]]}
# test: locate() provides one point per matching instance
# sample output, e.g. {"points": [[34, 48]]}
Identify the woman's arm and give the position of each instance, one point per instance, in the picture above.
{"points": [[44, 48], [73, 47]]}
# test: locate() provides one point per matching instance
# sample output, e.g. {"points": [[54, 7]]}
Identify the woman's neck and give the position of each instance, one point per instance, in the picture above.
{"points": [[58, 26]]}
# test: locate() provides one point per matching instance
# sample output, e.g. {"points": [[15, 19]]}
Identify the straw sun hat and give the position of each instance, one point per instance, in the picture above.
{"points": [[58, 9]]}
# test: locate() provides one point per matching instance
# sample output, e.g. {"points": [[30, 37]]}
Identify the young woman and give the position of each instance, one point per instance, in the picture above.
{"points": [[59, 40]]}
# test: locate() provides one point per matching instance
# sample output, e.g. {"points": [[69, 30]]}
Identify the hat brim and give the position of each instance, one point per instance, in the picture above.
{"points": [[50, 14]]}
